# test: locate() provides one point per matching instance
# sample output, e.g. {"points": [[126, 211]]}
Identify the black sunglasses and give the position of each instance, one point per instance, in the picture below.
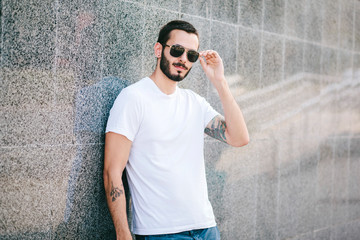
{"points": [[178, 50]]}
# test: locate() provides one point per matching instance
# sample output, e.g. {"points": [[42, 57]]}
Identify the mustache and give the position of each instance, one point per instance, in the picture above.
{"points": [[180, 65]]}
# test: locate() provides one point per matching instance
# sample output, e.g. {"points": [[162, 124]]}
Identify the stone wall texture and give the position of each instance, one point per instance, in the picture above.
{"points": [[293, 66]]}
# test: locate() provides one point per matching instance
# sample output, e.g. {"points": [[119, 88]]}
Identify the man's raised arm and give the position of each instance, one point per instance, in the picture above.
{"points": [[117, 150], [232, 129]]}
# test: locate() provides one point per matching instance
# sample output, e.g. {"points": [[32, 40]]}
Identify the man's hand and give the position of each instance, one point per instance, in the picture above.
{"points": [[213, 66]]}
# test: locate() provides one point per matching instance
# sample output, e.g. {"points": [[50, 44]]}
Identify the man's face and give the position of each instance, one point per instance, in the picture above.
{"points": [[177, 68]]}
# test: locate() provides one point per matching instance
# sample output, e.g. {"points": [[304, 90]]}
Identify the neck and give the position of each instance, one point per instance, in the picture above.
{"points": [[165, 84]]}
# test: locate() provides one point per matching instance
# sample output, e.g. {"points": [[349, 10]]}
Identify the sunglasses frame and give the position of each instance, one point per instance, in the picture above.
{"points": [[188, 52]]}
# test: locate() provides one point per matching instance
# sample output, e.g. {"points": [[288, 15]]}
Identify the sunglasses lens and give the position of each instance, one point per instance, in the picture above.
{"points": [[192, 56], [177, 50]]}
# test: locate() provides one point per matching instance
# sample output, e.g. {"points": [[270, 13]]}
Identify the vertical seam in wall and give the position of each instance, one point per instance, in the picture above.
{"points": [[282, 79], [304, 34], [2, 34], [301, 39], [143, 40], [56, 9], [261, 42], [278, 172], [321, 50], [283, 44], [256, 197], [210, 46], [338, 39], [333, 143], [102, 46], [353, 43], [339, 24], [102, 40], [237, 39], [238, 12], [237, 50], [316, 185], [337, 75], [54, 77], [257, 166], [354, 21], [347, 176]]}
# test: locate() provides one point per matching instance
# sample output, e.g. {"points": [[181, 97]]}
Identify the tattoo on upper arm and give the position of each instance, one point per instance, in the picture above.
{"points": [[115, 192], [216, 128]]}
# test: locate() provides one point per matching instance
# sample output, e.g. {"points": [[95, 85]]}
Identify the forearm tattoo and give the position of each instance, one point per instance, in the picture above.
{"points": [[216, 128], [115, 192]]}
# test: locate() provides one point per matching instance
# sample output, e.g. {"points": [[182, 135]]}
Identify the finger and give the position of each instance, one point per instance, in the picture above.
{"points": [[205, 53], [202, 62], [207, 57], [211, 54]]}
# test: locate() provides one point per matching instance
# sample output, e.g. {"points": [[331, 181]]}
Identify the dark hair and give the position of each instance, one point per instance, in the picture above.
{"points": [[164, 33]]}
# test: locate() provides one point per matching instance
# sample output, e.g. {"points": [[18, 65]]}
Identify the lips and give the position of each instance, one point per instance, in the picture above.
{"points": [[180, 66]]}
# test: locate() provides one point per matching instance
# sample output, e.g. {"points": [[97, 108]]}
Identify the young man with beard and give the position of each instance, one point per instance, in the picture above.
{"points": [[156, 130]]}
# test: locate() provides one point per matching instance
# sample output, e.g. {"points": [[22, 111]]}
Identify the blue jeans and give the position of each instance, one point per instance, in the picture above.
{"points": [[200, 234]]}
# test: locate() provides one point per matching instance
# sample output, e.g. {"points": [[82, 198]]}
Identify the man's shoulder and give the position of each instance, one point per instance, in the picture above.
{"points": [[135, 89], [138, 85]]}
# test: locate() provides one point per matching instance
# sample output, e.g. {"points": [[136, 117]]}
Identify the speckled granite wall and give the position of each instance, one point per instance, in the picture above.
{"points": [[293, 65]]}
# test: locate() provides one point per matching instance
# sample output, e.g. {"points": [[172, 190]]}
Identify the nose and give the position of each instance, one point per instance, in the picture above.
{"points": [[183, 57]]}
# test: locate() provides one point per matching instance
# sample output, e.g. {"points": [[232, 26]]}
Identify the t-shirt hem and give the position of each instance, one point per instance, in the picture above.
{"points": [[173, 230]]}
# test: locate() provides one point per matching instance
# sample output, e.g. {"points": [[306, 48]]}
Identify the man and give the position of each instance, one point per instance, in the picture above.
{"points": [[156, 130]]}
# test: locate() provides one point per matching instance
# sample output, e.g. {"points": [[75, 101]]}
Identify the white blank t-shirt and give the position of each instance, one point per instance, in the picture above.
{"points": [[166, 170]]}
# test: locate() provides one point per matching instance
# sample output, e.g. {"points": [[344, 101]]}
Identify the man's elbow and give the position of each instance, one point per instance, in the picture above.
{"points": [[111, 172], [240, 142]]}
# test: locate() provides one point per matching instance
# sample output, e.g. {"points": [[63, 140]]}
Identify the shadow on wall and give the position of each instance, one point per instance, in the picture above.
{"points": [[86, 214], [86, 207]]}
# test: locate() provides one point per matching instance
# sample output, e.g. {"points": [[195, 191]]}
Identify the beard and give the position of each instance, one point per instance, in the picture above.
{"points": [[165, 68]]}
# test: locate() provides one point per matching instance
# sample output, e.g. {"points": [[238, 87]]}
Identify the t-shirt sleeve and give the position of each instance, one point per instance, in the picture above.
{"points": [[125, 115]]}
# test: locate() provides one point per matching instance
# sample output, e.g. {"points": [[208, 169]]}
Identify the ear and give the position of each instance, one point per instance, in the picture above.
{"points": [[157, 50]]}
